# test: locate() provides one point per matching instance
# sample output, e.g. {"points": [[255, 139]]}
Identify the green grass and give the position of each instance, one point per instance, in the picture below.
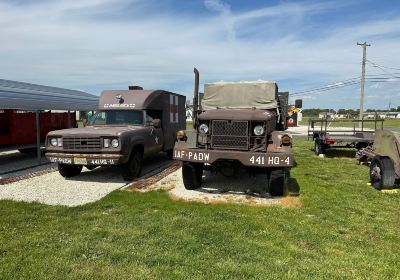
{"points": [[344, 229], [388, 123], [189, 124]]}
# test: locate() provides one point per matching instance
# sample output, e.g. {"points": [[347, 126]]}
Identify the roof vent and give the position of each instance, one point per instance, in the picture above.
{"points": [[135, 88]]}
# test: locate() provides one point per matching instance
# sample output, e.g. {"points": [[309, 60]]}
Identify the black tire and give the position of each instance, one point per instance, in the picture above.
{"points": [[277, 182], [382, 173], [170, 154], [132, 169], [319, 148], [192, 174], [68, 170]]}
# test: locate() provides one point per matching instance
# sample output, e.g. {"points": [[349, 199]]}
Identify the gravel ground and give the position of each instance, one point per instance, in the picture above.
{"points": [[91, 186], [12, 160], [53, 189], [219, 189]]}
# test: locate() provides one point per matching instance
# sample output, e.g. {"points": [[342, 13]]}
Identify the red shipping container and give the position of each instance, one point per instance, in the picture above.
{"points": [[19, 127]]}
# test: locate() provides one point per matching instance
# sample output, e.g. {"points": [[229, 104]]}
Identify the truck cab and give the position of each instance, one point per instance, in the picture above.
{"points": [[129, 126]]}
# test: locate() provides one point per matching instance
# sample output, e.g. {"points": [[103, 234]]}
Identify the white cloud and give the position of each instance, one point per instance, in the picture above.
{"points": [[91, 44], [226, 16], [376, 85]]}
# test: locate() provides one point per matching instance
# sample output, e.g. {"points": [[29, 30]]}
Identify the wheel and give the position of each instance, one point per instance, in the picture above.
{"points": [[382, 173], [91, 167], [133, 168], [68, 170], [277, 182], [192, 174], [170, 154], [319, 148]]}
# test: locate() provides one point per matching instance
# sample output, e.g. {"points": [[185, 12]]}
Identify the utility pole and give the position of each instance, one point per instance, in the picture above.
{"points": [[364, 46]]}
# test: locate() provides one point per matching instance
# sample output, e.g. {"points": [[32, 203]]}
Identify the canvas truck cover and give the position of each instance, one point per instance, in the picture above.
{"points": [[387, 143], [237, 95]]}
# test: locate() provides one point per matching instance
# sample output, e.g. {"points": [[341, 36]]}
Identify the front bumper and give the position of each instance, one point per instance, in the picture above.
{"points": [[282, 157], [86, 159]]}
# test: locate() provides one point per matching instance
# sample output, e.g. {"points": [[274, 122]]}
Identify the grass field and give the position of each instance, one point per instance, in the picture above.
{"points": [[388, 123], [344, 229]]}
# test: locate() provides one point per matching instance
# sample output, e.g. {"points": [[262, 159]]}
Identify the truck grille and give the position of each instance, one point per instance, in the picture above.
{"points": [[230, 135], [81, 143]]}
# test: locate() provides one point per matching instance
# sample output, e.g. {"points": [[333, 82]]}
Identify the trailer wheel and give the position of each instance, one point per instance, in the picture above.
{"points": [[192, 174], [382, 173], [319, 148], [133, 168], [68, 170], [277, 182]]}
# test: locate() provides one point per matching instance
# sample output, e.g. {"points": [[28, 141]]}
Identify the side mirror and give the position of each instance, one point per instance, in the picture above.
{"points": [[157, 123], [298, 103]]}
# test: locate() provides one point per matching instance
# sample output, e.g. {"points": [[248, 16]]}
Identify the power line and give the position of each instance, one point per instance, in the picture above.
{"points": [[381, 66], [372, 75], [318, 90], [323, 89], [329, 86]]}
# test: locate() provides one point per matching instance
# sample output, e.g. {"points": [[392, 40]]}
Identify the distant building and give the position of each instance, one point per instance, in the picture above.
{"points": [[328, 115], [382, 115]]}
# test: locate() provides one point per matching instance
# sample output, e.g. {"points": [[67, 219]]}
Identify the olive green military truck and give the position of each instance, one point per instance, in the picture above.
{"points": [[236, 125]]}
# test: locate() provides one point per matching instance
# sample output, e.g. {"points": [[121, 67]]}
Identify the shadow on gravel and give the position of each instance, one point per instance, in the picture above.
{"points": [[112, 174], [14, 160], [241, 184]]}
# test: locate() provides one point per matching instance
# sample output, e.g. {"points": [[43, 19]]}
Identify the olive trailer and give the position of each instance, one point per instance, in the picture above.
{"points": [[326, 135], [384, 159]]}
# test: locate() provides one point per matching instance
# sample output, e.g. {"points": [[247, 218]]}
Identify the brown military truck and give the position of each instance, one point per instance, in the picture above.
{"points": [[129, 126], [236, 125]]}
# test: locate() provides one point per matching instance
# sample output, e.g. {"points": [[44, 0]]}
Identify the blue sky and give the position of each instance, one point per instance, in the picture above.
{"points": [[93, 45]]}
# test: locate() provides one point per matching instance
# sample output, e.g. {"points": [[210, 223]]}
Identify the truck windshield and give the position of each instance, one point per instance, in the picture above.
{"points": [[118, 117]]}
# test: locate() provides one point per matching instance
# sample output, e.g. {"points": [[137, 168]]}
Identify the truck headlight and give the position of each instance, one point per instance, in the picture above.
{"points": [[54, 142], [258, 130], [115, 143], [203, 128]]}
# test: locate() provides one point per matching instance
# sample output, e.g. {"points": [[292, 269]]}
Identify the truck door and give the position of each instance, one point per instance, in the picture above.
{"points": [[155, 137]]}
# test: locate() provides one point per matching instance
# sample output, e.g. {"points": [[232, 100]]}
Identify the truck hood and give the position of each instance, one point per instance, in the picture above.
{"points": [[94, 131], [237, 114]]}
